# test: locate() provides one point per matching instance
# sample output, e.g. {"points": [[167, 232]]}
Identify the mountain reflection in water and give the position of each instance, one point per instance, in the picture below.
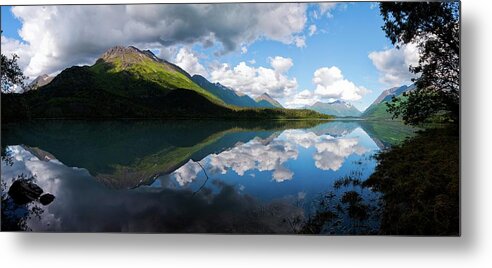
{"points": [[188, 176]]}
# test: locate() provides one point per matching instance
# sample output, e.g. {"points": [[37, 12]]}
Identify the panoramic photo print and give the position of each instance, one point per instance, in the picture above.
{"points": [[322, 118]]}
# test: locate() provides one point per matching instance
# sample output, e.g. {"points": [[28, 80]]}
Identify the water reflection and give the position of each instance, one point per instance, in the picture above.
{"points": [[184, 176], [258, 154]]}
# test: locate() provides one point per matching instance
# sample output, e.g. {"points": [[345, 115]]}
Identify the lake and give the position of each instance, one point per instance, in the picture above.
{"points": [[277, 177]]}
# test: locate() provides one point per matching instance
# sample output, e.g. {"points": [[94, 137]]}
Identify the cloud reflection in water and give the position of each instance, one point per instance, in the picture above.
{"points": [[237, 198], [271, 154]]}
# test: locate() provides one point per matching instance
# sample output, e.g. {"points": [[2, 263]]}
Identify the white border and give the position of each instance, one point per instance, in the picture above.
{"points": [[473, 249]]}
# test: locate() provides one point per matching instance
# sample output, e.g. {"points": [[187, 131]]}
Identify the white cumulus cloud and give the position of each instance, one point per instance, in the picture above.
{"points": [[300, 41], [281, 64], [330, 83], [256, 81], [12, 46], [312, 29], [326, 7], [187, 60], [61, 36], [302, 99], [393, 64]]}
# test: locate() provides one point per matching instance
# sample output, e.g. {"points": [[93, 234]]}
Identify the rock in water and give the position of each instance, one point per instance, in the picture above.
{"points": [[46, 199], [24, 191]]}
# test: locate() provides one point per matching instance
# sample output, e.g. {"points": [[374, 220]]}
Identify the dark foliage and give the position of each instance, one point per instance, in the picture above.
{"points": [[126, 83], [419, 181], [79, 93], [11, 74], [435, 28], [345, 213], [419, 186], [351, 197]]}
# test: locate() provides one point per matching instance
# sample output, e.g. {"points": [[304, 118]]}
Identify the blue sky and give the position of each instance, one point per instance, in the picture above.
{"points": [[10, 24], [333, 63]]}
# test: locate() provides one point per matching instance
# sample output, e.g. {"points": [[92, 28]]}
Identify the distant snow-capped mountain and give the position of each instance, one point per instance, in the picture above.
{"points": [[337, 108]]}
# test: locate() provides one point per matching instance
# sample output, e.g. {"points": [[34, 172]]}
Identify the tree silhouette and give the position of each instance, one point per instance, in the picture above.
{"points": [[11, 74], [435, 28]]}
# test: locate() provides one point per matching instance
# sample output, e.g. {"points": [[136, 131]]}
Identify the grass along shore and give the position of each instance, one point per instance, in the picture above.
{"points": [[419, 180]]}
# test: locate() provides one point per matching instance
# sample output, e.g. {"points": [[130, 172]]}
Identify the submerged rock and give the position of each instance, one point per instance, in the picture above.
{"points": [[46, 199], [24, 191]]}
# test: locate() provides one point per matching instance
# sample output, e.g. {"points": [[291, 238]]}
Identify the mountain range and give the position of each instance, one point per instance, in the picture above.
{"points": [[126, 82], [40, 81], [157, 147], [267, 101], [377, 110], [230, 96], [337, 108]]}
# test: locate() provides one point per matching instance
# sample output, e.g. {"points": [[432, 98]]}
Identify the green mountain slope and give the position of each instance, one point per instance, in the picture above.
{"points": [[227, 95], [125, 154], [121, 70], [388, 133], [128, 83], [378, 109], [265, 100]]}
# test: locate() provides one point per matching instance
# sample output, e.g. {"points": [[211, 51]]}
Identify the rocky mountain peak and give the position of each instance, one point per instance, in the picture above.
{"points": [[266, 97], [130, 54]]}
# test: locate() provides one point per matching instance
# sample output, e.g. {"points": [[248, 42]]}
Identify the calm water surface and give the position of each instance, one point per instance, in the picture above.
{"points": [[195, 176]]}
